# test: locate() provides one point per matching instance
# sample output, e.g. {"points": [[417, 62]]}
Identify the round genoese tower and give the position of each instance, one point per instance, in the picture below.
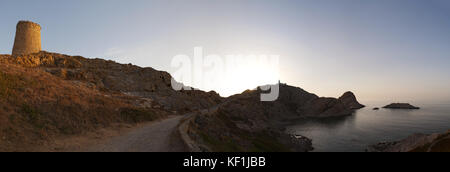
{"points": [[28, 38]]}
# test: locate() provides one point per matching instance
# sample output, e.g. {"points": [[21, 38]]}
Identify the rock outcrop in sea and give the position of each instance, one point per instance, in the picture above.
{"points": [[400, 106]]}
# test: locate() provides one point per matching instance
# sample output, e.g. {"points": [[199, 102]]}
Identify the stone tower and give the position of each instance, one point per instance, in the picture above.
{"points": [[28, 38]]}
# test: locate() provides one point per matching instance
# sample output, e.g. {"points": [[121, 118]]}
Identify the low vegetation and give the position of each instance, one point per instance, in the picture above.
{"points": [[218, 132], [37, 107]]}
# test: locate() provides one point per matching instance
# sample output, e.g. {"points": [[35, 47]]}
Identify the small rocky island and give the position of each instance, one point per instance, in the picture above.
{"points": [[400, 106]]}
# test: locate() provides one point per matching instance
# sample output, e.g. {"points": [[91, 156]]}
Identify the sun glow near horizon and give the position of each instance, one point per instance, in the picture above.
{"points": [[226, 74]]}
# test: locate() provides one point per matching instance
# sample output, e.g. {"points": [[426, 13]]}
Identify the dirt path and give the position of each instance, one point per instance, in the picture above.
{"points": [[154, 137]]}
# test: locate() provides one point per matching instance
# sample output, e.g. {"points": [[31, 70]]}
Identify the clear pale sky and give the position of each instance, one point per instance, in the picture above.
{"points": [[383, 50]]}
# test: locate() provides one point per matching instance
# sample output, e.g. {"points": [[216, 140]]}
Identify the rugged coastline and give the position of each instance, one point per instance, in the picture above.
{"points": [[131, 94], [244, 123]]}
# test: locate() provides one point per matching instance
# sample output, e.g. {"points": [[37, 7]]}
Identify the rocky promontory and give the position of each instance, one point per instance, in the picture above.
{"points": [[400, 106], [244, 123], [349, 99]]}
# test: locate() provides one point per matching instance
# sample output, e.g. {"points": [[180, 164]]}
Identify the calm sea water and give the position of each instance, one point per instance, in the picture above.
{"points": [[354, 133]]}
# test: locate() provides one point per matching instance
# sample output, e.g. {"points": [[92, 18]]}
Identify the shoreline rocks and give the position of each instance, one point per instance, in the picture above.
{"points": [[415, 143], [400, 106], [303, 142]]}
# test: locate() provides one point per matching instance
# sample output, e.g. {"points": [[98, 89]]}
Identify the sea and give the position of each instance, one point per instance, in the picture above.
{"points": [[367, 127]]}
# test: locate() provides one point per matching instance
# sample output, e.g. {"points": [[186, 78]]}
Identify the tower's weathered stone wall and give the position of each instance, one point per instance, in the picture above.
{"points": [[28, 38]]}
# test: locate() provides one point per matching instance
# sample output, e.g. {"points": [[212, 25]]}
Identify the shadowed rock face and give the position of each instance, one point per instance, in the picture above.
{"points": [[306, 104], [349, 100], [400, 106]]}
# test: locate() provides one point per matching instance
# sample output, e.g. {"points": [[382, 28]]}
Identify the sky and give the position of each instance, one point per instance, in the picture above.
{"points": [[382, 50]]}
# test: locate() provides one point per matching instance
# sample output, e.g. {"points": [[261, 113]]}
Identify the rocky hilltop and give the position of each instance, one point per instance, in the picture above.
{"points": [[103, 75], [45, 96], [244, 123], [416, 143]]}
